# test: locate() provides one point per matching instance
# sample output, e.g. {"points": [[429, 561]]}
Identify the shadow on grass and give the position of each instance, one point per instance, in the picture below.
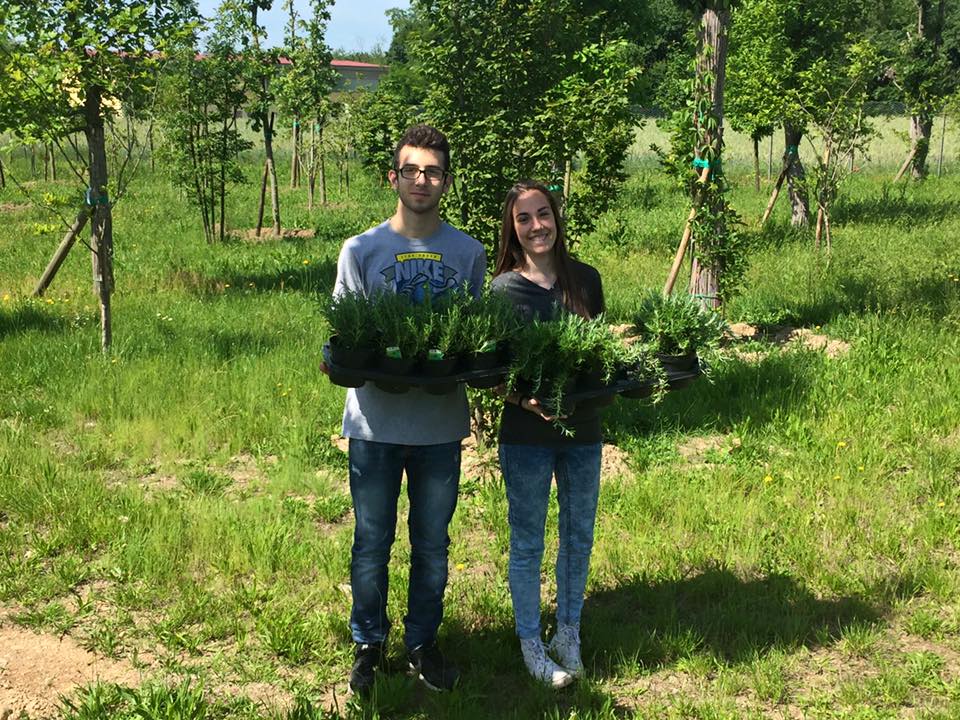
{"points": [[893, 208], [315, 278], [737, 391], [639, 624], [24, 318]]}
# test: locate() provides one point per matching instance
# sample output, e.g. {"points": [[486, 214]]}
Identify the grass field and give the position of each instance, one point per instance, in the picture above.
{"points": [[780, 542]]}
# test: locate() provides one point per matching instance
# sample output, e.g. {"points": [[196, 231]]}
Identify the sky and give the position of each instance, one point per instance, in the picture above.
{"points": [[354, 24]]}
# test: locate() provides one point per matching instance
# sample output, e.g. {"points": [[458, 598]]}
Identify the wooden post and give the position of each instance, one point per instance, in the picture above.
{"points": [[687, 231], [756, 164], [61, 253], [906, 163], [770, 159], [263, 198], [567, 175], [943, 134], [3, 178], [774, 195]]}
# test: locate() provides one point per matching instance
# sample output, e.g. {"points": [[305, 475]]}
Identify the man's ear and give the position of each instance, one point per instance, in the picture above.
{"points": [[392, 177], [447, 181]]}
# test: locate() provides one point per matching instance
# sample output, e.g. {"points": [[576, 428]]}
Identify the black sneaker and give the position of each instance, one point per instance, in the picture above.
{"points": [[436, 671], [367, 659]]}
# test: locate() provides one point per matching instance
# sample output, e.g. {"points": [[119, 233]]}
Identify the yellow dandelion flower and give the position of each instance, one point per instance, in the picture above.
{"points": [[841, 445], [460, 566], [768, 478], [226, 285], [6, 297], [860, 468], [836, 477], [49, 301], [113, 361], [306, 262], [816, 327], [941, 504]]}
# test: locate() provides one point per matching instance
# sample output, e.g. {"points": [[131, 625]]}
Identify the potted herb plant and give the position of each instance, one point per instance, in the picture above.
{"points": [[677, 327], [398, 323], [353, 335]]}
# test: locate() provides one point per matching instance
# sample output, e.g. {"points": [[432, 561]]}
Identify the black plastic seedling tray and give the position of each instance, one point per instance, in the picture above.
{"points": [[390, 382], [488, 378]]}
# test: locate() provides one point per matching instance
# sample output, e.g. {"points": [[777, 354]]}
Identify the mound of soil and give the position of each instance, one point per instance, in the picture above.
{"points": [[36, 669]]}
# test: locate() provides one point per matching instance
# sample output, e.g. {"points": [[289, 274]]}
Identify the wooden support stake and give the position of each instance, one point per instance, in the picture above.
{"points": [[776, 193], [906, 163], [687, 231], [60, 255], [943, 134]]}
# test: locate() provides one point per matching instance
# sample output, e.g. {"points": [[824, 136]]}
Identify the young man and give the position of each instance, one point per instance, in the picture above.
{"points": [[413, 252]]}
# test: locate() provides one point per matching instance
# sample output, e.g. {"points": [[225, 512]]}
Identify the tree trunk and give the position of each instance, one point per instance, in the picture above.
{"points": [[921, 127], [3, 178], [711, 62], [263, 198], [295, 158], [800, 216], [921, 122], [272, 170], [756, 164], [323, 169], [101, 224]]}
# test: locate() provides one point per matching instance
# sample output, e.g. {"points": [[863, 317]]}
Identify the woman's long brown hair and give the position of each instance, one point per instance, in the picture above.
{"points": [[510, 254]]}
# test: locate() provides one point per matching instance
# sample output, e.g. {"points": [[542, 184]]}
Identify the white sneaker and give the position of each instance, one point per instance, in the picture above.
{"points": [[565, 648], [541, 667]]}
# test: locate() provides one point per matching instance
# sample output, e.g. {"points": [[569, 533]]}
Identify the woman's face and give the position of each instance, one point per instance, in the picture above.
{"points": [[534, 223]]}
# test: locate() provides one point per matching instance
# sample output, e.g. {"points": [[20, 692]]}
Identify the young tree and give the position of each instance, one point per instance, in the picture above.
{"points": [[834, 106], [304, 92], [261, 67], [506, 80], [926, 77], [199, 101], [72, 66]]}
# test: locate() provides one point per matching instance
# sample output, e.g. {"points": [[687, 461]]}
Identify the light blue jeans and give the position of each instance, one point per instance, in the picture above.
{"points": [[528, 471], [433, 479]]}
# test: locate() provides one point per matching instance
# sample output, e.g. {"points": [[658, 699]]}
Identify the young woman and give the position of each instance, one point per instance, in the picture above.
{"points": [[535, 270]]}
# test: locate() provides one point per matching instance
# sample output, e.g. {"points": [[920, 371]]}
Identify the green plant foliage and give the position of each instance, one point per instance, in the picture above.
{"points": [[552, 87], [349, 316], [199, 140], [676, 324]]}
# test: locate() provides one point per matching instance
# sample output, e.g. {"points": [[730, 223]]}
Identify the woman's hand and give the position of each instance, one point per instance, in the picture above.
{"points": [[533, 405]]}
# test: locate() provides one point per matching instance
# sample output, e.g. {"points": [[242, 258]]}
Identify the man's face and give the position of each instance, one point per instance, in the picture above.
{"points": [[422, 193]]}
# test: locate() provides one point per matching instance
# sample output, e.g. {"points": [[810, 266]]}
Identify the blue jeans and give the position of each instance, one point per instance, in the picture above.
{"points": [[433, 480], [527, 471]]}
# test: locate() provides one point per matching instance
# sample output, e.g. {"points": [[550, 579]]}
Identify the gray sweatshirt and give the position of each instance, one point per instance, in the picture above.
{"points": [[382, 259]]}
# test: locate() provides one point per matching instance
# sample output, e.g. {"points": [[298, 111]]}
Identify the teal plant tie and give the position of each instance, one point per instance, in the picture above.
{"points": [[791, 149], [701, 163], [102, 200], [554, 188]]}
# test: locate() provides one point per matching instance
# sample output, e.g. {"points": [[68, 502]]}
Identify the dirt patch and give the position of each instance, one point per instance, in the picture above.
{"points": [[615, 462], [699, 450], [477, 461], [267, 235], [36, 669], [780, 336], [11, 207]]}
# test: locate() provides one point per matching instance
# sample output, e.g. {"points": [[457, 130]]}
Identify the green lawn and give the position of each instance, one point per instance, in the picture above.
{"points": [[779, 542]]}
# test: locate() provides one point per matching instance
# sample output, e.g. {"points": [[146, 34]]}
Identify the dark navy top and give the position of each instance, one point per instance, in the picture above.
{"points": [[522, 427]]}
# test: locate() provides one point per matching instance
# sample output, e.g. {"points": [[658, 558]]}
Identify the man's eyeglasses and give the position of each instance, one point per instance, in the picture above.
{"points": [[412, 172]]}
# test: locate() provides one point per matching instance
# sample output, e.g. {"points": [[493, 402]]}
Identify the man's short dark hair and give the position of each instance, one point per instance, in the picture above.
{"points": [[427, 137]]}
